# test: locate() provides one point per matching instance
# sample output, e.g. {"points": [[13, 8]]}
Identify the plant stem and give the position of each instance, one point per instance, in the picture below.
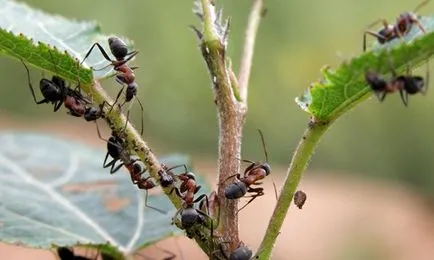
{"points": [[249, 45], [299, 162]]}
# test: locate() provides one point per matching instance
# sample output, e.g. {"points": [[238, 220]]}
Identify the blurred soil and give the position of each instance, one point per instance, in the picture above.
{"points": [[343, 218]]}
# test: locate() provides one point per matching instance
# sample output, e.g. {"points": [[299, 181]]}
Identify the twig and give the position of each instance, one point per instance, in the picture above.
{"points": [[299, 162], [249, 45]]}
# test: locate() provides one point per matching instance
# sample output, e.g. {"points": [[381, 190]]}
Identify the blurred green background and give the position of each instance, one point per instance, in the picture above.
{"points": [[296, 38]]}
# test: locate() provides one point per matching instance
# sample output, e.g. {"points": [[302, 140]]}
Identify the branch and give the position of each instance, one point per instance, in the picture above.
{"points": [[230, 116], [249, 45], [300, 160], [116, 120]]}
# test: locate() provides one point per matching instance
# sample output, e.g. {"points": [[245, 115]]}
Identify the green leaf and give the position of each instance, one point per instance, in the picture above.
{"points": [[345, 87], [55, 191], [51, 42]]}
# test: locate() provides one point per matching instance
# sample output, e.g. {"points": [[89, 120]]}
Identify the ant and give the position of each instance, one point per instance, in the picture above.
{"points": [[405, 84], [242, 252], [404, 24], [188, 188], [137, 168], [125, 73], [252, 174], [56, 92]]}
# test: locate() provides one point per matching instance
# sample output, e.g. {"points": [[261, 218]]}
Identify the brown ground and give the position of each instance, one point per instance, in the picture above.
{"points": [[343, 218]]}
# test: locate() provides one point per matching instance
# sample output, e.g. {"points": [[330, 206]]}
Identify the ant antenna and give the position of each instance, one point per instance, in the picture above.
{"points": [[266, 159], [263, 144], [421, 5]]}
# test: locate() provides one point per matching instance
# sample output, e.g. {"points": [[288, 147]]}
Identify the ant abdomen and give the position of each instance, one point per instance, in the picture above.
{"points": [[235, 190], [190, 217], [118, 48], [413, 85], [50, 90], [241, 253]]}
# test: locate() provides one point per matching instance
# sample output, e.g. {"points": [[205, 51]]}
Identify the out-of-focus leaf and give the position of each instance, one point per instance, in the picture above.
{"points": [[345, 87], [55, 191], [31, 34]]}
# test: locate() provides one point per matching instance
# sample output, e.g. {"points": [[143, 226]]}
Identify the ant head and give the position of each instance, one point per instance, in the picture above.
{"points": [[414, 84], [267, 168], [118, 48], [189, 175], [131, 91], [408, 17], [138, 167]]}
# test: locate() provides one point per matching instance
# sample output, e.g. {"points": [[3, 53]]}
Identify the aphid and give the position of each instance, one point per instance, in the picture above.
{"points": [[125, 73], [56, 92], [300, 198], [252, 174], [405, 84], [403, 26]]}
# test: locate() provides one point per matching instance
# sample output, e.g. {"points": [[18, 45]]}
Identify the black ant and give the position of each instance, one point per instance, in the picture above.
{"points": [[56, 92], [405, 84], [252, 174], [404, 24], [125, 73]]}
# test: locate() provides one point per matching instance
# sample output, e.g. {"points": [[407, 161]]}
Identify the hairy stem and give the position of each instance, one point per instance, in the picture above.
{"points": [[299, 162]]}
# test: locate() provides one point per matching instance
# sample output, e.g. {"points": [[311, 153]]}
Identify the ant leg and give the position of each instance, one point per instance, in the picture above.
{"points": [[116, 100], [425, 90], [103, 52], [172, 255], [421, 5], [149, 206], [143, 111], [177, 166], [237, 175], [31, 86], [132, 54], [419, 25], [176, 215], [113, 170], [404, 96], [258, 191], [381, 95], [58, 105], [376, 35]]}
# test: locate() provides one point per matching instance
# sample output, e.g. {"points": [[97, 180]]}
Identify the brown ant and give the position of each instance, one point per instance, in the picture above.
{"points": [[190, 216], [403, 26], [137, 168], [252, 174], [125, 73], [405, 84]]}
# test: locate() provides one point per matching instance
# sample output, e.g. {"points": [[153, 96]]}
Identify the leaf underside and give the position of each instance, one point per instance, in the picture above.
{"points": [[52, 43], [344, 88], [55, 191]]}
